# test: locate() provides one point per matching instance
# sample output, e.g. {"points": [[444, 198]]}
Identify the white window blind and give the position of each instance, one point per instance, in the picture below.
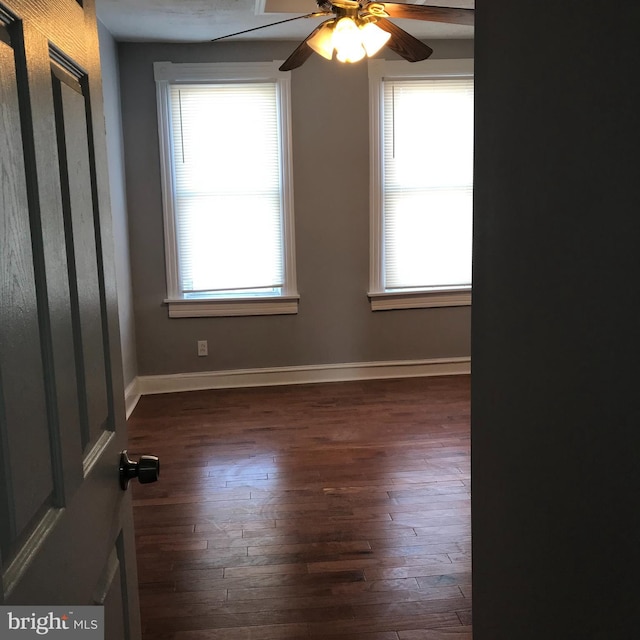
{"points": [[427, 183], [226, 155]]}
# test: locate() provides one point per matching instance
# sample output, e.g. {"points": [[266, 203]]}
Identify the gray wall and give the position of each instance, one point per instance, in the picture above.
{"points": [[556, 347], [331, 184], [113, 124]]}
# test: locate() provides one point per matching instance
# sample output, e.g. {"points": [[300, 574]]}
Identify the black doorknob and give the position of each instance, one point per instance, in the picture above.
{"points": [[147, 469]]}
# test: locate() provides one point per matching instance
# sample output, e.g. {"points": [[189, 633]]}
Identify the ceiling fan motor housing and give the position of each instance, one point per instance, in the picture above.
{"points": [[357, 11]]}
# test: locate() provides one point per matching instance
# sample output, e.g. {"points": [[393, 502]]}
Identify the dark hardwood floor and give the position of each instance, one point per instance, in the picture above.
{"points": [[334, 511]]}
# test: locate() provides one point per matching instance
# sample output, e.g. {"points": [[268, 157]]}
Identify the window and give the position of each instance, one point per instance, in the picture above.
{"points": [[421, 183], [227, 191]]}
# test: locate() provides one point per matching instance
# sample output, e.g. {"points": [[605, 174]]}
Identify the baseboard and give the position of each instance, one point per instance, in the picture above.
{"points": [[131, 396], [147, 385]]}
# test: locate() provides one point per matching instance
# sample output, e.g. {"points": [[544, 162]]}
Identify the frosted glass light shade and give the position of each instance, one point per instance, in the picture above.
{"points": [[347, 41], [373, 38], [322, 41]]}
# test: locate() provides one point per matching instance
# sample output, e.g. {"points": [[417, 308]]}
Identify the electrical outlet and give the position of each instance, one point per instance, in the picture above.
{"points": [[203, 348]]}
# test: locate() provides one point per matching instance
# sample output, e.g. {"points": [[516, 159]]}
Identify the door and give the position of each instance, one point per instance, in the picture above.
{"points": [[66, 534]]}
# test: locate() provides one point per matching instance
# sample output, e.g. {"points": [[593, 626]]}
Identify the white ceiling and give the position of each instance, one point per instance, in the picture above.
{"points": [[203, 20]]}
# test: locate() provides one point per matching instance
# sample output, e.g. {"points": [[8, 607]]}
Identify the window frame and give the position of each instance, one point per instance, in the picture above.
{"points": [[380, 70], [167, 74]]}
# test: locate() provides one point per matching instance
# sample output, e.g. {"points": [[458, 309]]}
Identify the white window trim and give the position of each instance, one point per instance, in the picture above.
{"points": [[168, 73], [380, 299]]}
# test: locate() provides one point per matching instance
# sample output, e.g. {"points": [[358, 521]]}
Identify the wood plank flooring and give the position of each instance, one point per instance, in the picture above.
{"points": [[334, 511]]}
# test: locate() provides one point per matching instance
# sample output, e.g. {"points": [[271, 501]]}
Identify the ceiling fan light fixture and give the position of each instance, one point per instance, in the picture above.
{"points": [[322, 41], [373, 38], [348, 41]]}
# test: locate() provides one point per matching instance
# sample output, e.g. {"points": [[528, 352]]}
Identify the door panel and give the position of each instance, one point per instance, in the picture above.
{"points": [[82, 260], [110, 593], [21, 370], [65, 526]]}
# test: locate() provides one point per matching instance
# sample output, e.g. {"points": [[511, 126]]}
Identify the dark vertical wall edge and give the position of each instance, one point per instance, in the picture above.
{"points": [[555, 344]]}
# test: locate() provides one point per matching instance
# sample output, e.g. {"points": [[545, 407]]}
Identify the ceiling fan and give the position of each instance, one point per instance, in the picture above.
{"points": [[355, 29]]}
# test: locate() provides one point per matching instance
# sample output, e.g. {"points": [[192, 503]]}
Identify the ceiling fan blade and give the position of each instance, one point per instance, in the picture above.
{"points": [[298, 57], [451, 15], [318, 14], [302, 52], [403, 43]]}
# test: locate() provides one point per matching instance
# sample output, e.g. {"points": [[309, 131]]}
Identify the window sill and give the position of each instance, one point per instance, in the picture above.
{"points": [[385, 301], [208, 308]]}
